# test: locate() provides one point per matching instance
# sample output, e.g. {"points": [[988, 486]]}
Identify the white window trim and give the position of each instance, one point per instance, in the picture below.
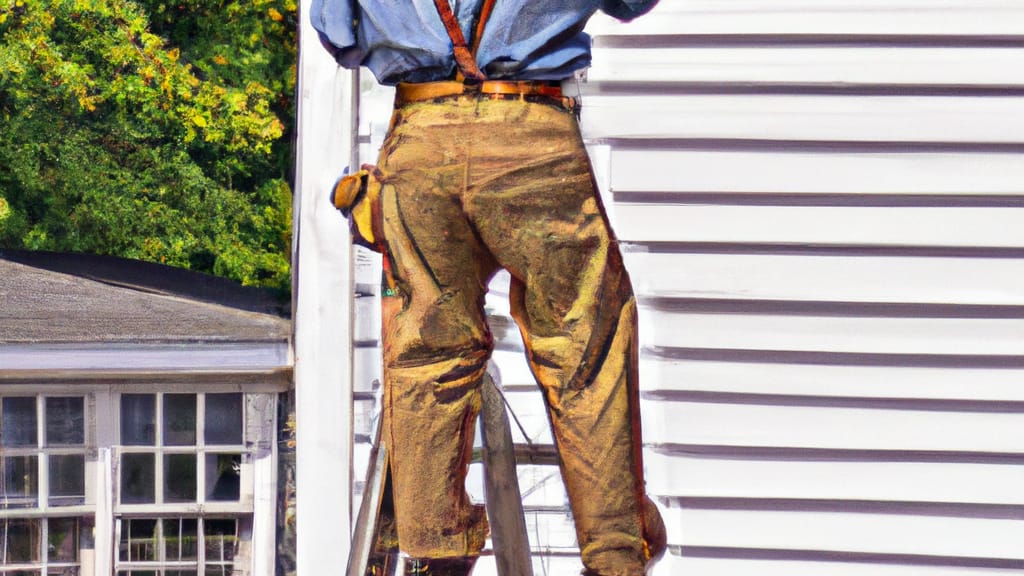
{"points": [[43, 453], [256, 506], [244, 505], [43, 511], [44, 553], [243, 525]]}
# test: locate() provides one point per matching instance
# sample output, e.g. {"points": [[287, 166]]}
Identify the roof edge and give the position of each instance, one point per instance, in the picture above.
{"points": [[156, 278], [274, 379], [154, 357]]}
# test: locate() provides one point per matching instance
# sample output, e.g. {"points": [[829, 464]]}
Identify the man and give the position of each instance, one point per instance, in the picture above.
{"points": [[484, 168]]}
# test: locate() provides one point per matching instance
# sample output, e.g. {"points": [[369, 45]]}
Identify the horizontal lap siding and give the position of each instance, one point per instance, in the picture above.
{"points": [[821, 204], [843, 225], [807, 118], [822, 375], [821, 175], [870, 278], [842, 19], [813, 65]]}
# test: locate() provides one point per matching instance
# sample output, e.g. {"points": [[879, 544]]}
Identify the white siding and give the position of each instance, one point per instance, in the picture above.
{"points": [[821, 204]]}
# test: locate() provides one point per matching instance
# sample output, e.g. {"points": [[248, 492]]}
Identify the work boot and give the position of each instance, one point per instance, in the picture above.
{"points": [[461, 566]]}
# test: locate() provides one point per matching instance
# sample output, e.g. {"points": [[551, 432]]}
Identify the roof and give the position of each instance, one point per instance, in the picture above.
{"points": [[124, 314], [92, 304]]}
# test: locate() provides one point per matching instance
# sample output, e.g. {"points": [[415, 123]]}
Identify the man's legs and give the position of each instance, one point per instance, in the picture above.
{"points": [[468, 185]]}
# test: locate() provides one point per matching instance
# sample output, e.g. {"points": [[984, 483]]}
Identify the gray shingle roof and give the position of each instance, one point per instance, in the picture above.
{"points": [[119, 301]]}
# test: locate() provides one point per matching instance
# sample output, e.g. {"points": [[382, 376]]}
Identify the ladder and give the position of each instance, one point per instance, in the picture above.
{"points": [[374, 550]]}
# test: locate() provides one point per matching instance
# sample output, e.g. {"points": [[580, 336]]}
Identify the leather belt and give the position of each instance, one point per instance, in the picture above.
{"points": [[407, 92]]}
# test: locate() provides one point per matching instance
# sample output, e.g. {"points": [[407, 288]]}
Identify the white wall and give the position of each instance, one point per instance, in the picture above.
{"points": [[822, 208]]}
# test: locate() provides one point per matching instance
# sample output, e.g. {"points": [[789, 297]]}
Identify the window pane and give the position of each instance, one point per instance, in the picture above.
{"points": [[138, 419], [219, 570], [180, 573], [19, 540], [138, 478], [20, 481], [180, 478], [65, 421], [67, 479], [223, 419], [181, 536], [179, 419], [62, 571], [221, 539], [19, 421], [63, 540], [222, 477], [138, 541]]}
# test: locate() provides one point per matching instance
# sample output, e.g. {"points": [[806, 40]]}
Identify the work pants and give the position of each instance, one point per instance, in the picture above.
{"points": [[470, 185]]}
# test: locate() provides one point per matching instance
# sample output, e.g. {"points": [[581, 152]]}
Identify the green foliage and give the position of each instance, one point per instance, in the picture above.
{"points": [[150, 130]]}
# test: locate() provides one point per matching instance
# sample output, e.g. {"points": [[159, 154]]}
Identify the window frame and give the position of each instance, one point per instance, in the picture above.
{"points": [[44, 563], [243, 524], [44, 511], [43, 451], [202, 504], [40, 511]]}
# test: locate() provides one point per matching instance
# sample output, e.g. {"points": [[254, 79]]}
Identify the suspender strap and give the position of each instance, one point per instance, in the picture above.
{"points": [[485, 15], [464, 57]]}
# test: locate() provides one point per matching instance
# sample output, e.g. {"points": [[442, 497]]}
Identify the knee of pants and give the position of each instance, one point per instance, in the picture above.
{"points": [[448, 370]]}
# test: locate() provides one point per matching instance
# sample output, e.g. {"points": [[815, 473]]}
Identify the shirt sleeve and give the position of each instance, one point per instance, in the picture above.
{"points": [[626, 9], [334, 21]]}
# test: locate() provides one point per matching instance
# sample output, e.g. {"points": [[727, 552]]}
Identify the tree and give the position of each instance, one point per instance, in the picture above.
{"points": [[150, 129]]}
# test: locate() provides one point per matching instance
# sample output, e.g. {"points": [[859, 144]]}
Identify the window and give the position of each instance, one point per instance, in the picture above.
{"points": [[179, 546], [181, 448], [181, 497], [179, 467], [42, 433], [22, 549], [42, 468]]}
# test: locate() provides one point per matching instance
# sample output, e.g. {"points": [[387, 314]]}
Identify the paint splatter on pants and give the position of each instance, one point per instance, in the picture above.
{"points": [[471, 185]]}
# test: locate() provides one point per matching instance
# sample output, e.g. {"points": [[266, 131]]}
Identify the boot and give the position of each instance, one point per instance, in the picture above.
{"points": [[461, 566]]}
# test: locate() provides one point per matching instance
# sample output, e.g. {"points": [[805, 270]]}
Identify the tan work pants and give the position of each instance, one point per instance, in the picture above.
{"points": [[470, 185]]}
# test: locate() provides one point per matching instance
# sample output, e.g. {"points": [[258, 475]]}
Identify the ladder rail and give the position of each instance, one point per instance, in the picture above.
{"points": [[504, 499], [366, 558]]}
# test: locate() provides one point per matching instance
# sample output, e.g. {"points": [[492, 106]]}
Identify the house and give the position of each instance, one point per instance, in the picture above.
{"points": [[821, 206], [139, 417]]}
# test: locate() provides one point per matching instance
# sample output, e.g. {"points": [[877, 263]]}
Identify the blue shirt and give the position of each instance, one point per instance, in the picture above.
{"points": [[405, 40]]}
